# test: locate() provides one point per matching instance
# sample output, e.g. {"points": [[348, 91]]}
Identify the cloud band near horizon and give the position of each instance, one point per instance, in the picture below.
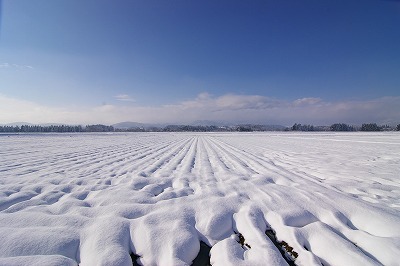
{"points": [[230, 108]]}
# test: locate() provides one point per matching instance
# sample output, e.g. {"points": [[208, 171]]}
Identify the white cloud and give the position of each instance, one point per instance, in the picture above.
{"points": [[8, 65], [306, 101], [230, 108], [228, 102], [124, 97], [238, 102]]}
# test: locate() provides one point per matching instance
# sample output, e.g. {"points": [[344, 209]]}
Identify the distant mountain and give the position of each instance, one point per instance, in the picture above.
{"points": [[128, 125], [51, 124], [208, 123], [18, 124], [31, 124]]}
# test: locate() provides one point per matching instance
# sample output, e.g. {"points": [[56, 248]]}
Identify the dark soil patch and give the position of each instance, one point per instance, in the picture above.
{"points": [[286, 251], [203, 258], [134, 258], [242, 242]]}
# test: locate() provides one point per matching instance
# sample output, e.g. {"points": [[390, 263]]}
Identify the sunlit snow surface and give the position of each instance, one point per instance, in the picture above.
{"points": [[94, 199]]}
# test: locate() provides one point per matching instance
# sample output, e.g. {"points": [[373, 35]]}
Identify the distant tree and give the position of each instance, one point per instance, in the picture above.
{"points": [[370, 127], [341, 127], [398, 127], [296, 127], [386, 128], [244, 128], [99, 128], [300, 127]]}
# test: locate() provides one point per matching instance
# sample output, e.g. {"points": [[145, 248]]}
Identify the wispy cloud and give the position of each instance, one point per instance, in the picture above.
{"points": [[124, 97], [228, 102], [230, 108], [8, 65], [306, 101]]}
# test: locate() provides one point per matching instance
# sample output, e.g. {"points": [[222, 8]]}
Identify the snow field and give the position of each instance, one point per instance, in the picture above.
{"points": [[93, 199]]}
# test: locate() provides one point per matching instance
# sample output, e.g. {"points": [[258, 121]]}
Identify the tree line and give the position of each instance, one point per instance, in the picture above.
{"points": [[55, 129], [370, 127], [188, 128]]}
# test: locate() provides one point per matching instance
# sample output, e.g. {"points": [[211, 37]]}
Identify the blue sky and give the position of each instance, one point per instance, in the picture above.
{"points": [[311, 61]]}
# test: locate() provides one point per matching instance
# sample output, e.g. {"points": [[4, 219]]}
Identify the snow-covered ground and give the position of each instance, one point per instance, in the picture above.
{"points": [[94, 199]]}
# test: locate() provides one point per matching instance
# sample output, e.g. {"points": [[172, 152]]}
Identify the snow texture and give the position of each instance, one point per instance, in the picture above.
{"points": [[94, 199]]}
